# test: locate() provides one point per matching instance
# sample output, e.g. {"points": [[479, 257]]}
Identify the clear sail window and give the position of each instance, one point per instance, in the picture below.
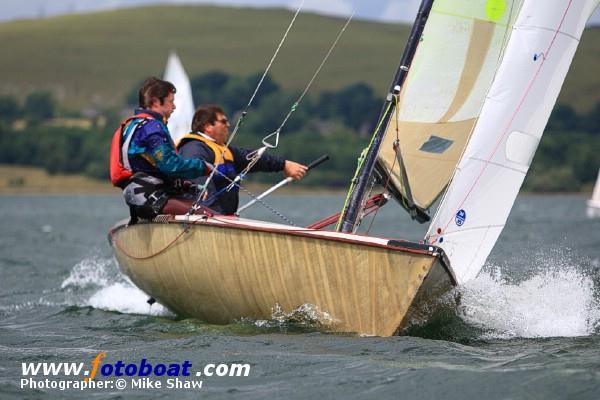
{"points": [[436, 144]]}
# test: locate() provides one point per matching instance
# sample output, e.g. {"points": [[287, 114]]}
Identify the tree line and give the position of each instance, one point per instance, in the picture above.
{"points": [[38, 106], [335, 122], [569, 154]]}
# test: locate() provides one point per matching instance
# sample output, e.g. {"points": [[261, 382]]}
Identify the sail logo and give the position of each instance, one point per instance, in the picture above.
{"points": [[461, 217]]}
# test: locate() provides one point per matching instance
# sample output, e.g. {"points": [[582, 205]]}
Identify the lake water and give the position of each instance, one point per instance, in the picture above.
{"points": [[527, 328]]}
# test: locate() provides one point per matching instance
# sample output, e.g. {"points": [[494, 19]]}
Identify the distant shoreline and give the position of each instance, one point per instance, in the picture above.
{"points": [[22, 180]]}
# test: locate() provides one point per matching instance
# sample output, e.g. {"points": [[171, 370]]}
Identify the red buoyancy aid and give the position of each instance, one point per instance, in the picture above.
{"points": [[119, 172]]}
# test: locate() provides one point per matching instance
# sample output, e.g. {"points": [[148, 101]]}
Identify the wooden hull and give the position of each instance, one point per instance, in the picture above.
{"points": [[223, 270]]}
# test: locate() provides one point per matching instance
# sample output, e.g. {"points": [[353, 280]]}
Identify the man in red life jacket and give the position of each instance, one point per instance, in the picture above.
{"points": [[144, 162]]}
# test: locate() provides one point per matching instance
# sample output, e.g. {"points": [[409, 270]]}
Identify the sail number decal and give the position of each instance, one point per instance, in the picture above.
{"points": [[460, 218]]}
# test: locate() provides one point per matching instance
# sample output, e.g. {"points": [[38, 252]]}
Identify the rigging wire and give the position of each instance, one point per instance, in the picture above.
{"points": [[360, 163], [255, 156], [196, 205], [391, 170], [363, 204], [264, 75], [239, 121], [294, 106]]}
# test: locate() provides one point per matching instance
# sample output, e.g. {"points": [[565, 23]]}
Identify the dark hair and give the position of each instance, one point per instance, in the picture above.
{"points": [[205, 114], [154, 88]]}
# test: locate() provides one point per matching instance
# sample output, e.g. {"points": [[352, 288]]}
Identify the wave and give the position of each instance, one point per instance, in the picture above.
{"points": [[553, 297], [557, 302], [97, 282]]}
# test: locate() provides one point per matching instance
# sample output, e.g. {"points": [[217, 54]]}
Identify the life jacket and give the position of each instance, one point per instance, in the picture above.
{"points": [[223, 201], [222, 153], [120, 169]]}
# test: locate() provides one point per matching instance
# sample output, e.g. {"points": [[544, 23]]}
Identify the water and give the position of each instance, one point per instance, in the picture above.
{"points": [[527, 327]]}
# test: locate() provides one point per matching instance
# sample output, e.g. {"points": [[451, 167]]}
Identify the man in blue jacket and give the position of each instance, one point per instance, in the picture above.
{"points": [[210, 131], [148, 153]]}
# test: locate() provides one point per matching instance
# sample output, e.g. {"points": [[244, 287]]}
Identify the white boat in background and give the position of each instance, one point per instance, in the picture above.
{"points": [[180, 121], [465, 113], [593, 204]]}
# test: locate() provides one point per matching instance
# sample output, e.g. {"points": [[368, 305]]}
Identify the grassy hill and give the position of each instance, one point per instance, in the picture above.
{"points": [[95, 59]]}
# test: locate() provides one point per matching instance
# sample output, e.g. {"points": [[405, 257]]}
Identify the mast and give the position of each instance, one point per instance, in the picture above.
{"points": [[351, 213]]}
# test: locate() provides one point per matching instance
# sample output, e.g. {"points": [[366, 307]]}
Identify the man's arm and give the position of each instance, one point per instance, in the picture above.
{"points": [[194, 149], [268, 163], [169, 162]]}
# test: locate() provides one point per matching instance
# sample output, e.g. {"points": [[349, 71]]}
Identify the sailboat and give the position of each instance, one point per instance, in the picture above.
{"points": [[181, 120], [464, 115], [593, 204]]}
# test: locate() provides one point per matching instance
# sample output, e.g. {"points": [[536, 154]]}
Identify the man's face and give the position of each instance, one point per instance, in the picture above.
{"points": [[166, 108], [219, 130]]}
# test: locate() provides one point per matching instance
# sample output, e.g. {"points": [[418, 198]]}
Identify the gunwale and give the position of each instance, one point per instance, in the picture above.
{"points": [[233, 222]]}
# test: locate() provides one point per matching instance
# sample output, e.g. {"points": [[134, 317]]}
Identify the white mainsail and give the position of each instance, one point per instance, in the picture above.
{"points": [[180, 121], [593, 204], [452, 70], [488, 177]]}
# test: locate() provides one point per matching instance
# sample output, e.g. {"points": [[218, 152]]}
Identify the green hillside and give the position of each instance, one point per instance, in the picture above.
{"points": [[95, 59]]}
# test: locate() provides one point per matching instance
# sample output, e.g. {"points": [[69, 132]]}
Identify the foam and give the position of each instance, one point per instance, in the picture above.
{"points": [[556, 301], [559, 302], [89, 272], [97, 282], [127, 299]]}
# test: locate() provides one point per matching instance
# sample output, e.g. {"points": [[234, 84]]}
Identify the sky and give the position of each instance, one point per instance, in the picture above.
{"points": [[378, 10]]}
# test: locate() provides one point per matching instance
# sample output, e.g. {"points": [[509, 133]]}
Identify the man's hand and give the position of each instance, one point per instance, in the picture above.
{"points": [[294, 170]]}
